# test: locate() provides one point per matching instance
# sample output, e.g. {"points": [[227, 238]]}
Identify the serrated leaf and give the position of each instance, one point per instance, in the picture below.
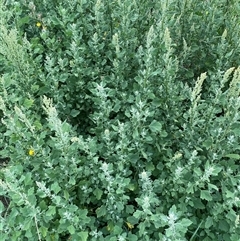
{"points": [[155, 126], [138, 214], [212, 186], [205, 195], [28, 103], [101, 211], [51, 211], [55, 187]]}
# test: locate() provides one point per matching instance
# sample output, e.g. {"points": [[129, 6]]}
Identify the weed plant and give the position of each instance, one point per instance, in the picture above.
{"points": [[119, 120]]}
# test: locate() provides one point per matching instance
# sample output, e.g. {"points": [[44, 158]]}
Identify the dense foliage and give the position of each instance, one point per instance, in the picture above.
{"points": [[119, 120]]}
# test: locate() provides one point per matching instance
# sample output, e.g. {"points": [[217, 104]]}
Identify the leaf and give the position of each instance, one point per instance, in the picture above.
{"points": [[98, 193], [132, 220], [185, 222], [71, 229], [211, 186], [198, 203], [1, 207], [224, 226], [28, 179], [101, 211], [138, 214], [83, 235], [233, 156], [155, 126], [205, 195], [216, 170], [229, 194], [55, 187], [43, 231], [173, 210], [74, 112], [24, 20], [28, 103], [66, 195], [51, 211], [209, 222], [132, 237]]}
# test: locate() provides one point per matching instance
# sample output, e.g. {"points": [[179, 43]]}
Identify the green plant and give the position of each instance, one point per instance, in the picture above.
{"points": [[120, 120]]}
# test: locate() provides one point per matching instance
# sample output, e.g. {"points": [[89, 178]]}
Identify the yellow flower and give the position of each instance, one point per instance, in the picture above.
{"points": [[31, 152], [38, 24], [130, 226]]}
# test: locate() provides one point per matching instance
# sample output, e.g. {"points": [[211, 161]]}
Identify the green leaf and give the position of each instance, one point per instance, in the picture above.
{"points": [[208, 143], [155, 126], [28, 179], [51, 211], [233, 156], [43, 205], [216, 170], [209, 222], [224, 226], [74, 112], [1, 207], [83, 236], [229, 194], [132, 237], [43, 231], [27, 224], [71, 229], [205, 195], [98, 193], [55, 187], [198, 203], [138, 214], [150, 167], [28, 103], [185, 222], [101, 211], [173, 210], [24, 20], [66, 195], [117, 230], [132, 220]]}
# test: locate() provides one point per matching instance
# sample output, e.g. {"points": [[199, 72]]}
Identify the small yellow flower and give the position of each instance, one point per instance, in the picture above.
{"points": [[31, 152], [38, 24], [130, 226]]}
